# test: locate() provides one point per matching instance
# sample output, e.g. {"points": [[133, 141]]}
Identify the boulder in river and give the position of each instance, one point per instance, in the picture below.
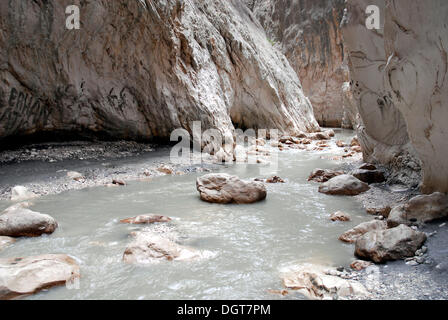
{"points": [[224, 188], [5, 241], [17, 221], [21, 193], [379, 211], [369, 176], [420, 209], [25, 276], [390, 244], [340, 216], [320, 175], [275, 179], [367, 166], [315, 282], [146, 219], [150, 247], [352, 235], [344, 185]]}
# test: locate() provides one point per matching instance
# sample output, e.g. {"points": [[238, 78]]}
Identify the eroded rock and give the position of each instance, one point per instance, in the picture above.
{"points": [[340, 216], [146, 219], [389, 244], [420, 209], [25, 276], [150, 247], [224, 188], [18, 221], [344, 185], [314, 282], [359, 265], [369, 176], [320, 175], [352, 235]]}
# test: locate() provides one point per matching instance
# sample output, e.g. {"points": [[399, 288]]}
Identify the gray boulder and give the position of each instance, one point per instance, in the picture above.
{"points": [[17, 221], [391, 244], [224, 188], [352, 235], [344, 185], [420, 209]]}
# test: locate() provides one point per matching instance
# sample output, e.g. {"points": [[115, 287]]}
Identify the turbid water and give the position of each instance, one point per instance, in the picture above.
{"points": [[252, 244]]}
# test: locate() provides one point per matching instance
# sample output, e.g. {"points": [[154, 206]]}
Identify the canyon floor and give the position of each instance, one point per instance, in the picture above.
{"points": [[43, 168]]}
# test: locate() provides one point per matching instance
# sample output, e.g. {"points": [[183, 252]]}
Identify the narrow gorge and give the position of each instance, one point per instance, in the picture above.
{"points": [[243, 149]]}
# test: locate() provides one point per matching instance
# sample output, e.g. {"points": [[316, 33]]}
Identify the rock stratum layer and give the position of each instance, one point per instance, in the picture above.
{"points": [[308, 33], [137, 69], [399, 85]]}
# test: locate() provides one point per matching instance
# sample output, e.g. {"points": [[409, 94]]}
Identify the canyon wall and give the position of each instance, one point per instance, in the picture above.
{"points": [[137, 69], [308, 33], [399, 85]]}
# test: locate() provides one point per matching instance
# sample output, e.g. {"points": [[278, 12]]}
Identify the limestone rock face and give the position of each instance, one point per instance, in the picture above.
{"points": [[17, 221], [139, 69], [391, 244], [308, 33], [25, 276], [398, 84], [224, 188]]}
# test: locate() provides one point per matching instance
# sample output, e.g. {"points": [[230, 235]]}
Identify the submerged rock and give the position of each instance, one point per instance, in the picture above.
{"points": [[344, 185], [150, 247], [369, 176], [315, 282], [390, 244], [21, 193], [5, 241], [352, 235], [224, 188], [17, 221], [146, 219], [320, 175], [25, 276], [340, 216], [420, 209], [275, 179]]}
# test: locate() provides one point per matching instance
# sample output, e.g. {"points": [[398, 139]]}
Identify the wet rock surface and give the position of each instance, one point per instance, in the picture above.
{"points": [[320, 175], [420, 209], [25, 276], [318, 282], [344, 185], [390, 244], [352, 235], [5, 242], [146, 219], [224, 188], [17, 221]]}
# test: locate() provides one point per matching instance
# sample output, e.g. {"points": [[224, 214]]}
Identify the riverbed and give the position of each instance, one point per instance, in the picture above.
{"points": [[249, 245]]}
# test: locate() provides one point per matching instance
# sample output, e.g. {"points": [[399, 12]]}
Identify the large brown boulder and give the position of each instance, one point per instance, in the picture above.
{"points": [[390, 244], [352, 235], [25, 276], [17, 221], [420, 209], [369, 176], [321, 175], [344, 184], [224, 188]]}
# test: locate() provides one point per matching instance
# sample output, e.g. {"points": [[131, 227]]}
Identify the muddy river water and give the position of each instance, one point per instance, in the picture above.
{"points": [[251, 244]]}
